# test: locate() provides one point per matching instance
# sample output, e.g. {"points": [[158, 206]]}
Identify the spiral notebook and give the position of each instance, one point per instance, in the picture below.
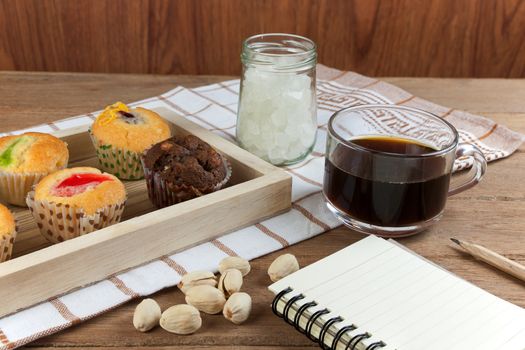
{"points": [[376, 294]]}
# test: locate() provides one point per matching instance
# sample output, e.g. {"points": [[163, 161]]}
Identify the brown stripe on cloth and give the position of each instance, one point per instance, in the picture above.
{"points": [[53, 330], [208, 88], [5, 341], [488, 133], [222, 129], [340, 75], [310, 216], [90, 115], [223, 247], [173, 105], [122, 287], [53, 126], [64, 311], [302, 164], [151, 99], [370, 84], [447, 113], [188, 114], [215, 102], [173, 93], [406, 100], [273, 235], [228, 88], [38, 335], [174, 265], [477, 142], [307, 196], [304, 178]]}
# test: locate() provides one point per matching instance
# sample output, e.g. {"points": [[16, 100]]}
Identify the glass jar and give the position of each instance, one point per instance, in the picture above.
{"points": [[277, 116]]}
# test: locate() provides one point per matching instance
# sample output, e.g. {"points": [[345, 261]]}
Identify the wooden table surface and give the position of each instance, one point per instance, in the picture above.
{"points": [[493, 213]]}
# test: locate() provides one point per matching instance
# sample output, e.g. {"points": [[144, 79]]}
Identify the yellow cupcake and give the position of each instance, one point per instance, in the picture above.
{"points": [[25, 159], [73, 202], [7, 233], [121, 135]]}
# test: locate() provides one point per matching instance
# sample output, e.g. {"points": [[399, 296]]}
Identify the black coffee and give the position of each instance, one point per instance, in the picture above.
{"points": [[385, 203]]}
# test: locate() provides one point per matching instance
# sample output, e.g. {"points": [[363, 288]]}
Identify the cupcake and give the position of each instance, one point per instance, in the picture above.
{"points": [[121, 134], [182, 168], [24, 160], [77, 201], [7, 233]]}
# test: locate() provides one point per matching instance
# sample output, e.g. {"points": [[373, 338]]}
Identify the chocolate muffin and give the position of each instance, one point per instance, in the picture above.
{"points": [[181, 168]]}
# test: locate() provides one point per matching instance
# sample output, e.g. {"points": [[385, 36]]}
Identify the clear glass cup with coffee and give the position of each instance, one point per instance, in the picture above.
{"points": [[388, 168]]}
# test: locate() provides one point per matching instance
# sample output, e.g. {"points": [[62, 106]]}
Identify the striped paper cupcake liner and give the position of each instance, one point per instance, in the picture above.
{"points": [[161, 194], [14, 187], [122, 163], [6, 245], [59, 222]]}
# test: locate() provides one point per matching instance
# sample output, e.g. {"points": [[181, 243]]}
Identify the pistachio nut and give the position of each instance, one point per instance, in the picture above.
{"points": [[238, 307], [206, 298], [197, 278], [181, 319], [230, 282], [283, 266], [235, 262], [147, 315]]}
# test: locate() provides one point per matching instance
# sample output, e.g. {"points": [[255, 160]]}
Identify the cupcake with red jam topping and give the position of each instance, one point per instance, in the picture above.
{"points": [[182, 168], [7, 233], [24, 160], [77, 201], [120, 134]]}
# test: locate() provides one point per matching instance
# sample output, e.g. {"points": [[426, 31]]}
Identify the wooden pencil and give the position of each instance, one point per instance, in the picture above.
{"points": [[492, 258]]}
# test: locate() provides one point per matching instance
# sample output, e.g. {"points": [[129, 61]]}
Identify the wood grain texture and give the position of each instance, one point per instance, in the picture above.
{"points": [[447, 38], [490, 214]]}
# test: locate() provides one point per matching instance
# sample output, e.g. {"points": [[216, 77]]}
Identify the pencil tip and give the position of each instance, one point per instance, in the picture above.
{"points": [[455, 241]]}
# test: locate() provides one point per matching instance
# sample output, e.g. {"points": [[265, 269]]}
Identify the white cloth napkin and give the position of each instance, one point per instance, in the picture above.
{"points": [[214, 107]]}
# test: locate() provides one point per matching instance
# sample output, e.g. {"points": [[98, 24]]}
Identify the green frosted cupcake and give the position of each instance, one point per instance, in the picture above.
{"points": [[24, 160]]}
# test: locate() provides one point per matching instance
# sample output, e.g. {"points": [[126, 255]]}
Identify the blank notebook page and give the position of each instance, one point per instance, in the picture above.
{"points": [[406, 301]]}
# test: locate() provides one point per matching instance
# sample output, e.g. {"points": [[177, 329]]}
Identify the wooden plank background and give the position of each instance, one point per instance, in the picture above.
{"points": [[446, 38]]}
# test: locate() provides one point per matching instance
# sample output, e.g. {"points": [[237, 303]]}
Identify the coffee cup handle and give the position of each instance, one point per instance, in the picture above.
{"points": [[478, 168]]}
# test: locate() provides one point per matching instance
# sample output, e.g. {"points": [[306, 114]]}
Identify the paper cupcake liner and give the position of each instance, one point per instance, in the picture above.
{"points": [[6, 246], [14, 187], [161, 195], [59, 222], [122, 163]]}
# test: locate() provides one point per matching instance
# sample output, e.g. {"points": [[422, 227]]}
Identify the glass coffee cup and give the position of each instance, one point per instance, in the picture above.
{"points": [[388, 168]]}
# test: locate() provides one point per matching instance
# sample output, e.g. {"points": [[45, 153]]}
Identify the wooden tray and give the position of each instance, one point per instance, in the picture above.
{"points": [[39, 271]]}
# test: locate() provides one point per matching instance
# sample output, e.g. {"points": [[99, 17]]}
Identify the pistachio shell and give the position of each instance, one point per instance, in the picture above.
{"points": [[197, 278], [238, 307], [283, 266], [206, 298], [147, 315], [181, 319], [230, 282], [235, 262]]}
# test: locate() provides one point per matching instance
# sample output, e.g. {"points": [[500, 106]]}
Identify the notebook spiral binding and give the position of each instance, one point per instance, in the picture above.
{"points": [[352, 343]]}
